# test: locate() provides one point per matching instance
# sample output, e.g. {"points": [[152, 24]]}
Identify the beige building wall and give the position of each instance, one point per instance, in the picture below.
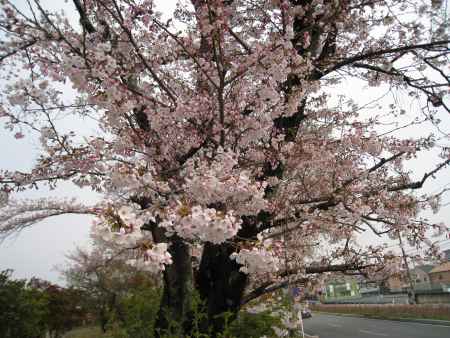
{"points": [[442, 277]]}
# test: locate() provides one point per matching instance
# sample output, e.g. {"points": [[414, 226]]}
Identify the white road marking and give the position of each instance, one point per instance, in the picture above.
{"points": [[446, 326], [374, 333], [392, 321], [334, 325], [309, 335]]}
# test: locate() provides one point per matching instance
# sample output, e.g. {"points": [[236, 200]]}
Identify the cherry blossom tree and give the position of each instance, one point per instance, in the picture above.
{"points": [[104, 276], [226, 163]]}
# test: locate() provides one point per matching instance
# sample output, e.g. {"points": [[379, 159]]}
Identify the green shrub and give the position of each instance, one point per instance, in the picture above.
{"points": [[249, 325], [140, 310]]}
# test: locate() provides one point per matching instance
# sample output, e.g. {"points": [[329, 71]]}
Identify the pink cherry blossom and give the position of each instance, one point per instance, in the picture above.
{"points": [[236, 129]]}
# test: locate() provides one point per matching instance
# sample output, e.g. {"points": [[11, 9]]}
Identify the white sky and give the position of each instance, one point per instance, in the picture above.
{"points": [[37, 250]]}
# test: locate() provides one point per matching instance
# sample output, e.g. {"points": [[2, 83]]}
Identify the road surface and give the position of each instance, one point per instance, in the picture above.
{"points": [[328, 326]]}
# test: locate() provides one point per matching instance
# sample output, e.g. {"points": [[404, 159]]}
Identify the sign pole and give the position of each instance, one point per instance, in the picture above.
{"points": [[296, 295], [301, 319]]}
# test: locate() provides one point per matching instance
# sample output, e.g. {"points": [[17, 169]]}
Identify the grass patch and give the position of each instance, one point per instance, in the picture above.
{"points": [[85, 332], [389, 311]]}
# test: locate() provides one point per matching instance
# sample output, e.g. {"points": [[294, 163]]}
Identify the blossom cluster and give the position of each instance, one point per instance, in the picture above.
{"points": [[257, 260], [122, 226], [126, 237], [125, 232], [222, 182], [153, 259], [204, 224]]}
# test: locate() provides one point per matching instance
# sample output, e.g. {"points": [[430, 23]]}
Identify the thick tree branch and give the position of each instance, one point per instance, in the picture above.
{"points": [[84, 20], [419, 184], [377, 53], [269, 287]]}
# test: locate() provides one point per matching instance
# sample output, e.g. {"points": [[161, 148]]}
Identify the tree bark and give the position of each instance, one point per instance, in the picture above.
{"points": [[176, 304], [220, 284]]}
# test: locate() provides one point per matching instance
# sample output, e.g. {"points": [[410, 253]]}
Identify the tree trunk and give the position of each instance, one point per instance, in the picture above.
{"points": [[103, 317], [176, 304], [220, 284], [218, 281]]}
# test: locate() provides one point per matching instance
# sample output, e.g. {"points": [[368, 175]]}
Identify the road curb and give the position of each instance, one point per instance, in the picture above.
{"points": [[414, 320]]}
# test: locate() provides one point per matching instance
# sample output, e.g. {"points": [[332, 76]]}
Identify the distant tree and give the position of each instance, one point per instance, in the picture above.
{"points": [[227, 163], [23, 310], [66, 308], [106, 281]]}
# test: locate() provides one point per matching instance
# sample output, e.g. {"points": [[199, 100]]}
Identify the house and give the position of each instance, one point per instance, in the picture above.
{"points": [[368, 287], [400, 282], [341, 287], [394, 283], [421, 277], [440, 275], [447, 254]]}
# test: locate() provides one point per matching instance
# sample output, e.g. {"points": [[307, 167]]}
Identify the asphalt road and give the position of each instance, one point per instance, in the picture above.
{"points": [[328, 326]]}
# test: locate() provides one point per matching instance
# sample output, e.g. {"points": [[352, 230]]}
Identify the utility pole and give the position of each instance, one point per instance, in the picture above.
{"points": [[412, 294]]}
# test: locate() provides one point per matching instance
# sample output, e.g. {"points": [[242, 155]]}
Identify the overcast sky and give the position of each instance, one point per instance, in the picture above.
{"points": [[37, 250]]}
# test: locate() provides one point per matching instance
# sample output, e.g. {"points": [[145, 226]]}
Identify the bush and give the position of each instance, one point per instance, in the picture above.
{"points": [[249, 325], [140, 310], [135, 314]]}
